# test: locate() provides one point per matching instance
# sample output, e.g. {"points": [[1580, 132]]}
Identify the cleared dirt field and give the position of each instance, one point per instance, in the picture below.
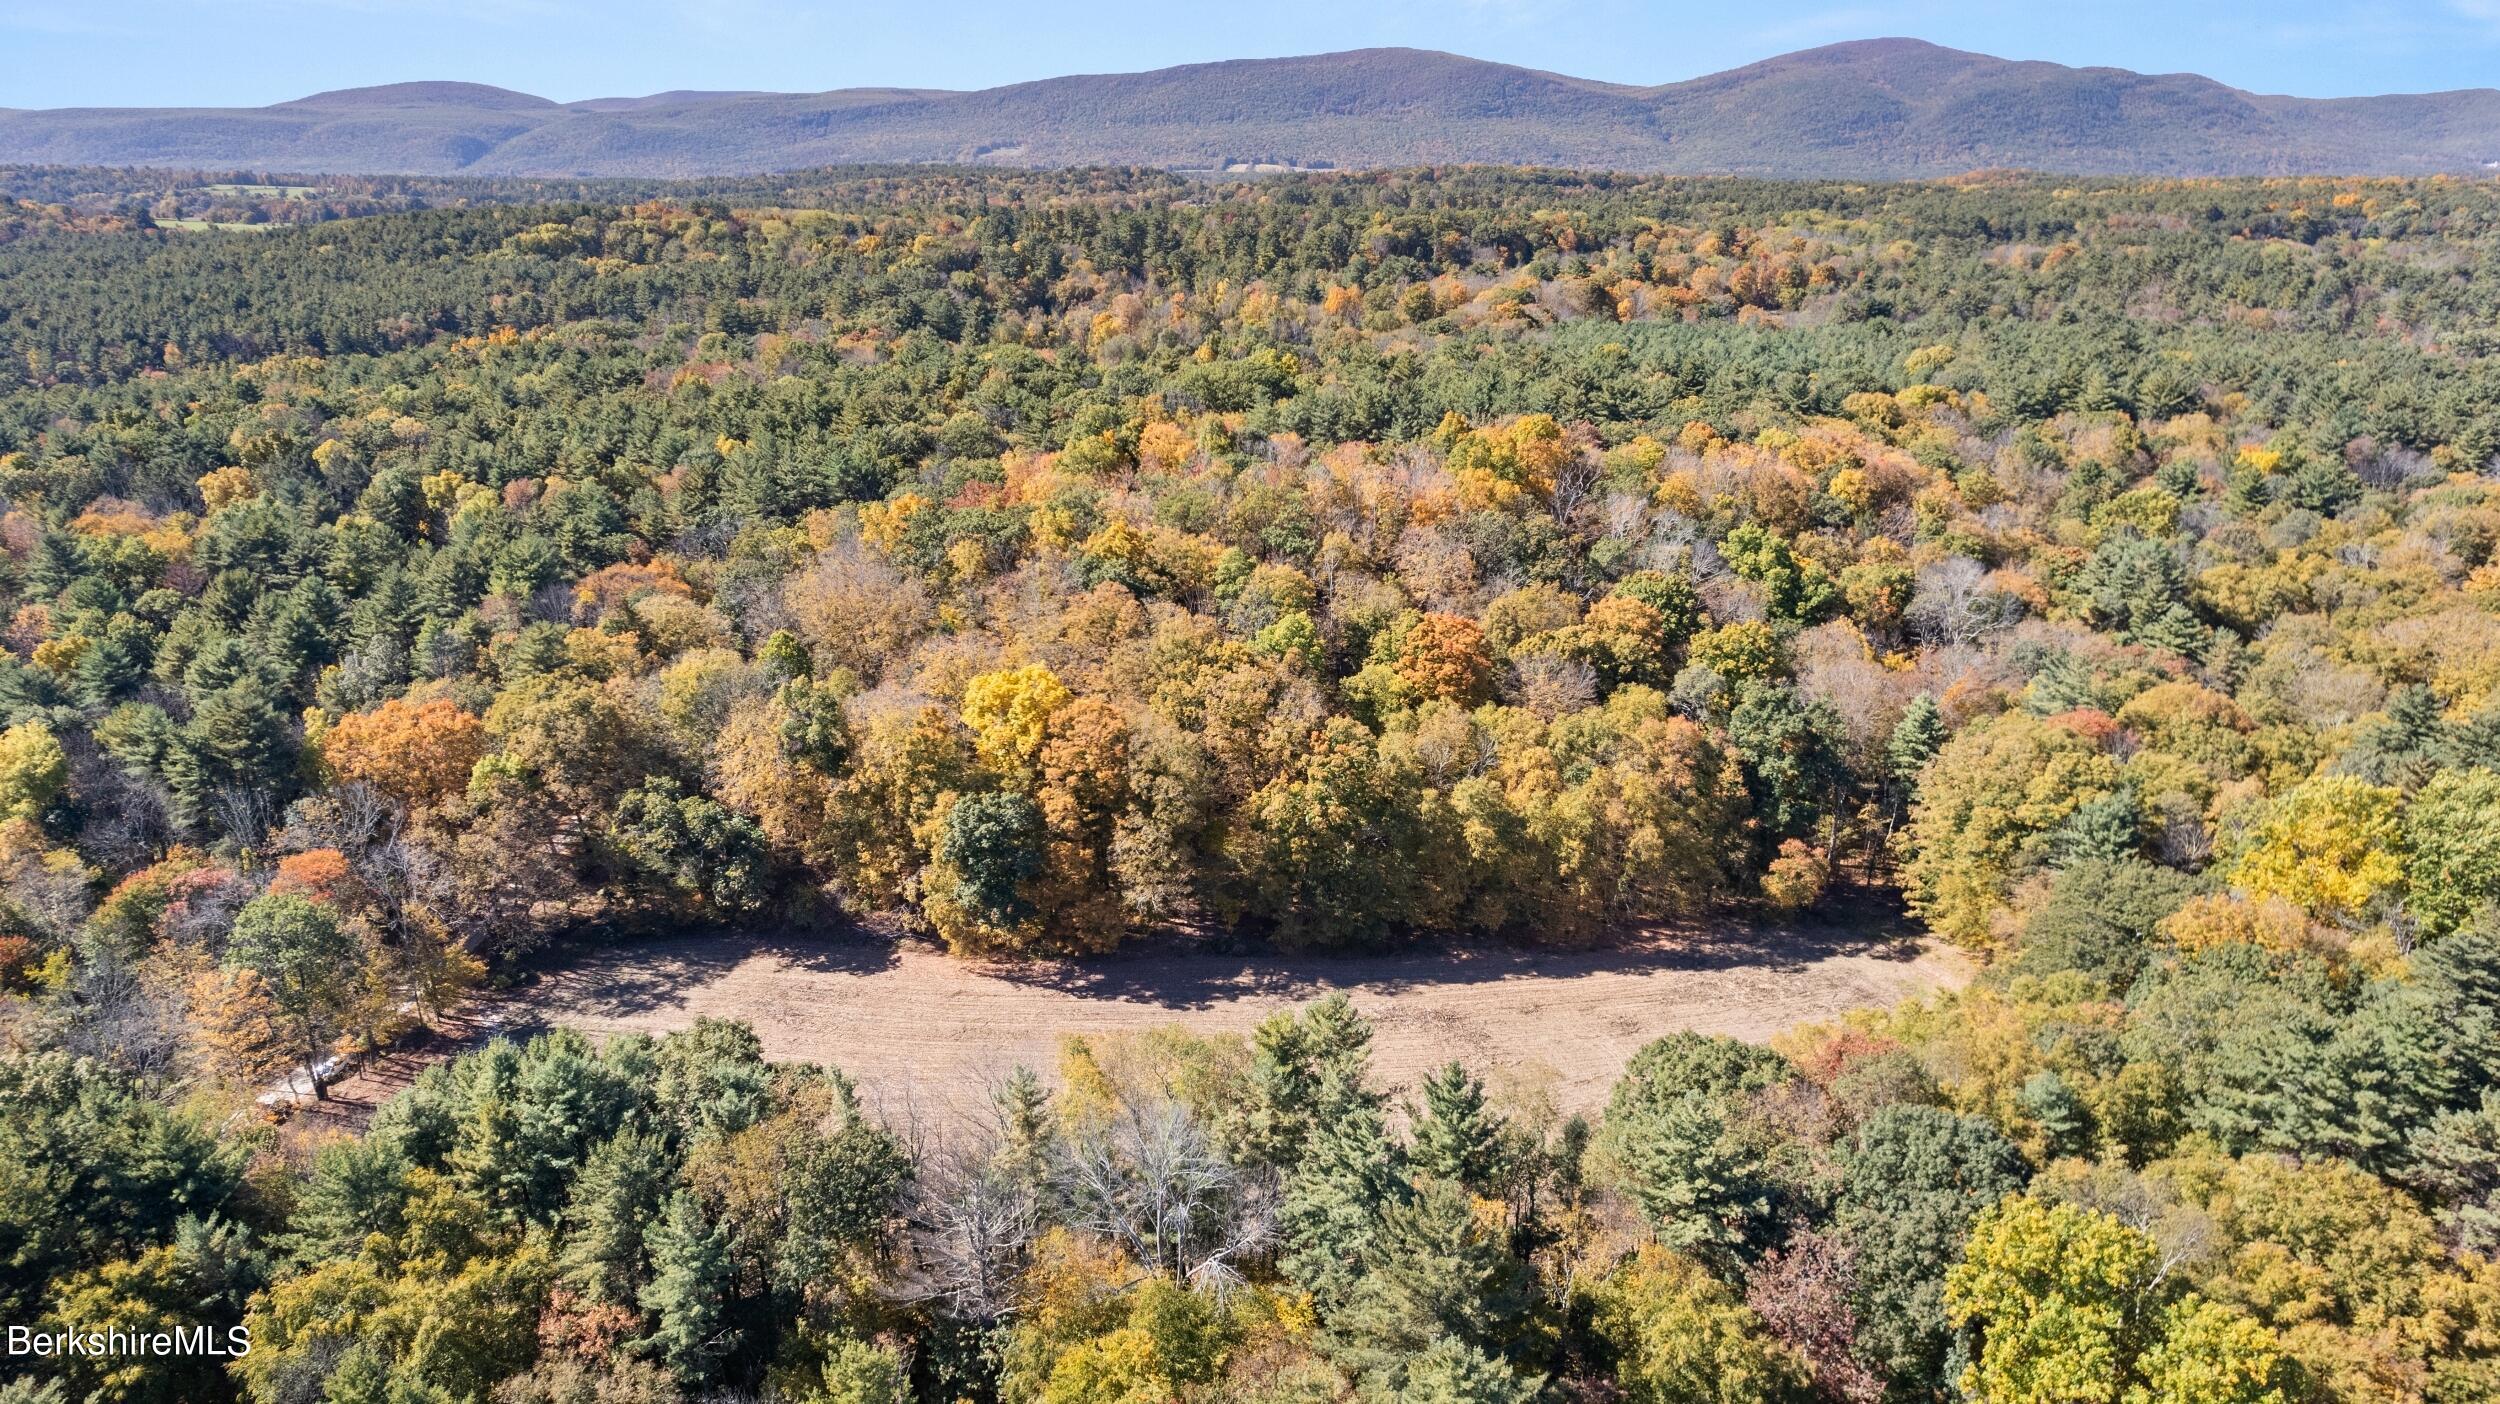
{"points": [[916, 1026]]}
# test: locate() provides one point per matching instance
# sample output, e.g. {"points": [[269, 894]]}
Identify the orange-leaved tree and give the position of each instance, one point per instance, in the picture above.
{"points": [[416, 752]]}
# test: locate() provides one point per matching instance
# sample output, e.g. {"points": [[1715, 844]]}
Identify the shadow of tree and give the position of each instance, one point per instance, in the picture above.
{"points": [[1180, 974], [609, 977], [639, 974]]}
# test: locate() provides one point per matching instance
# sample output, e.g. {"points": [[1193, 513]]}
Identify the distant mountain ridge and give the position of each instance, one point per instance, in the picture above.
{"points": [[1878, 108]]}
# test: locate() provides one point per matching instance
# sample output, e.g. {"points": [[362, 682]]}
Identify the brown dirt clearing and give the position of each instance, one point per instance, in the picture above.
{"points": [[920, 1029]]}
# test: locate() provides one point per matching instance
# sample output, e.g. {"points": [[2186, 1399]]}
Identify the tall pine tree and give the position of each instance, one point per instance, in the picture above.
{"points": [[621, 1191], [1295, 1059], [1432, 1271], [689, 1293], [1457, 1138], [1346, 1173]]}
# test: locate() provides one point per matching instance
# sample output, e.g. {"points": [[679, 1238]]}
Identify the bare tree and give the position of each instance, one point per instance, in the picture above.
{"points": [[1151, 1179], [130, 819], [1575, 482], [2183, 840], [1955, 605], [243, 812], [126, 1015], [975, 1224], [1624, 516], [2185, 1232], [1833, 667], [1552, 686]]}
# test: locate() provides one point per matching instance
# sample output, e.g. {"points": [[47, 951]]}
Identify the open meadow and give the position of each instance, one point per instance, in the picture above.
{"points": [[921, 1030]]}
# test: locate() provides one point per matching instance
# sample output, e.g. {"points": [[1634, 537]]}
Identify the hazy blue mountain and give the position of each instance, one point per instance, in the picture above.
{"points": [[1882, 107]]}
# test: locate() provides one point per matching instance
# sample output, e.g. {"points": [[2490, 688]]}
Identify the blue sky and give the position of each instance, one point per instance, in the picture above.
{"points": [[242, 52]]}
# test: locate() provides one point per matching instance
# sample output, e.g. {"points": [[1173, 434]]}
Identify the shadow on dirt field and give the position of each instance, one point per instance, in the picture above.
{"points": [[916, 1025]]}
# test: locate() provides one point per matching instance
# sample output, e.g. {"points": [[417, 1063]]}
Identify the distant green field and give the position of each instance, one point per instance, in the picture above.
{"points": [[209, 224], [264, 192]]}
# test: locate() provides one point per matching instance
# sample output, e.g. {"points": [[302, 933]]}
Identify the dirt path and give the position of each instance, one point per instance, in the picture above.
{"points": [[915, 1025]]}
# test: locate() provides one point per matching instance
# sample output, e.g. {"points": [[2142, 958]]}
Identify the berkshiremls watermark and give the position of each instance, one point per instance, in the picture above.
{"points": [[233, 1342]]}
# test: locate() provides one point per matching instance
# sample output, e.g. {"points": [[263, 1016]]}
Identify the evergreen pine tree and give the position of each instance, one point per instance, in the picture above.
{"points": [[1698, 1186], [842, 1190], [569, 1101], [113, 664], [2103, 829], [358, 1187], [1914, 1181], [619, 1194], [488, 1154], [55, 564], [711, 1080], [1453, 1372], [2403, 748], [1457, 1138], [1916, 738], [237, 739], [1432, 1271], [2247, 492], [1294, 1057], [301, 634], [2063, 1120], [1028, 1135], [1789, 751], [2474, 741], [688, 1295], [1346, 1173], [2322, 485], [2175, 629]]}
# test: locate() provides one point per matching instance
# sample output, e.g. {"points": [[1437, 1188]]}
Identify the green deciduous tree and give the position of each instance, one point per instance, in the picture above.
{"points": [[308, 963], [693, 844], [990, 853], [2100, 918], [1791, 753], [2452, 843]]}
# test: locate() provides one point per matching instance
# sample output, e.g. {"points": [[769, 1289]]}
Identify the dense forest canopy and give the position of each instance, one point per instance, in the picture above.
{"points": [[445, 571]]}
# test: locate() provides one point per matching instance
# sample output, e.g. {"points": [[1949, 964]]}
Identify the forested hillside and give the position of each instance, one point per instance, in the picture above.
{"points": [[1051, 561], [1869, 108]]}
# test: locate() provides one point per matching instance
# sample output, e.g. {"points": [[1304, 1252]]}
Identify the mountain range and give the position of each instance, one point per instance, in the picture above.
{"points": [[1876, 108]]}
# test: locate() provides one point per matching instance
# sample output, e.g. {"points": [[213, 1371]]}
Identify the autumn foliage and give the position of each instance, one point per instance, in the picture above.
{"points": [[416, 752]]}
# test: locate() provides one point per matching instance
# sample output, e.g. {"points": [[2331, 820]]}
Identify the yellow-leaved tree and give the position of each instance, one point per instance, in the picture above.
{"points": [[1009, 711], [33, 771], [1987, 807], [2071, 1307], [2332, 846]]}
